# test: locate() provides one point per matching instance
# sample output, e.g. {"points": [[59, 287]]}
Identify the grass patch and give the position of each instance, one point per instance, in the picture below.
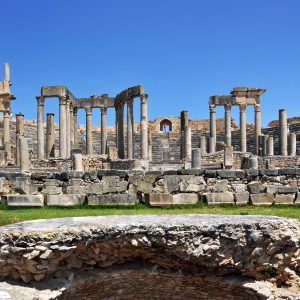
{"points": [[9, 215]]}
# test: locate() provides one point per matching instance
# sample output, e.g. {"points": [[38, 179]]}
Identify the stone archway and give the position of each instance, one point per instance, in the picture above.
{"points": [[165, 125]]}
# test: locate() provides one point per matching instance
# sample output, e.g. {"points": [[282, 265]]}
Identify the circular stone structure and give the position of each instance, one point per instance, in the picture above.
{"points": [[187, 256]]}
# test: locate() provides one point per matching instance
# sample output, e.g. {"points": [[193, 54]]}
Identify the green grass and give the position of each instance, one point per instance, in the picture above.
{"points": [[13, 215]]}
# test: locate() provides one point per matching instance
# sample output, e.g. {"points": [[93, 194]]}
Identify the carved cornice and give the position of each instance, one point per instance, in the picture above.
{"points": [[103, 110], [88, 111], [257, 107], [243, 107], [62, 100], [212, 108]]}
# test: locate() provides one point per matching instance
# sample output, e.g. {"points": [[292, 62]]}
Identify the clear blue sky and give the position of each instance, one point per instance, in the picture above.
{"points": [[181, 51]]}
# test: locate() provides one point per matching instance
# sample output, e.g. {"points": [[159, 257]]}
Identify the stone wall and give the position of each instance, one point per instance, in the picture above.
{"points": [[157, 188], [152, 257]]}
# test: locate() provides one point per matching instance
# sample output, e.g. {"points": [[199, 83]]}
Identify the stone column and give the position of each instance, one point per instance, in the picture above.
{"points": [[144, 127], [71, 127], [293, 143], [187, 143], [283, 149], [213, 127], [68, 128], [19, 134], [211, 145], [270, 146], [228, 157], [257, 126], [253, 162], [130, 125], [89, 138], [196, 158], [77, 162], [6, 133], [24, 155], [50, 136], [203, 144], [40, 128], [243, 128], [120, 130], [6, 72], [62, 127], [103, 130], [227, 108], [75, 127], [262, 144]]}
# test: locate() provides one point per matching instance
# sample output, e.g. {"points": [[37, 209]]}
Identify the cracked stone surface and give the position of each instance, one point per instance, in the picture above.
{"points": [[259, 254]]}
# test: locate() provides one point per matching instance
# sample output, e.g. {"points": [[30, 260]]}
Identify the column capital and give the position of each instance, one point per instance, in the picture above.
{"points": [[227, 107], [68, 103], [129, 100], [75, 109], [212, 108], [71, 107], [6, 113], [243, 107], [19, 115], [144, 98], [62, 100], [103, 110], [88, 110], [257, 107], [40, 100]]}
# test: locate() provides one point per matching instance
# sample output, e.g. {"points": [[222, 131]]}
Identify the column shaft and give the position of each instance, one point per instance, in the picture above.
{"points": [[24, 155], [227, 124], [257, 126], [243, 128], [50, 136], [68, 129], [203, 145], [71, 128], [293, 144], [62, 127], [103, 130], [120, 130], [130, 124], [75, 127], [213, 127], [144, 127], [19, 134], [283, 149], [89, 137], [187, 143], [40, 128], [6, 133], [270, 145]]}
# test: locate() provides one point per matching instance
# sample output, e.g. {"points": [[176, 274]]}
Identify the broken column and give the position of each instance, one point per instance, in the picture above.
{"points": [[257, 113], [50, 136], [24, 155], [130, 129], [243, 128], [40, 128], [196, 158], [89, 137], [213, 129], [144, 127], [77, 162], [19, 134], [6, 133], [203, 144], [253, 162], [227, 124], [62, 127], [103, 130], [187, 143], [262, 144], [283, 149], [292, 144], [270, 145], [228, 157]]}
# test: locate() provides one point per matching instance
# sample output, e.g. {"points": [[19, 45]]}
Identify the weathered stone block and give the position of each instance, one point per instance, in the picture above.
{"points": [[255, 187], [242, 198], [185, 198], [262, 199], [287, 171], [65, 200], [219, 198], [198, 172], [112, 199], [25, 200], [52, 190], [52, 182], [95, 188], [227, 173], [284, 199], [252, 172], [76, 189], [108, 173], [171, 183], [239, 187], [160, 199], [221, 186], [272, 188], [288, 189], [297, 198], [271, 172], [22, 185]]}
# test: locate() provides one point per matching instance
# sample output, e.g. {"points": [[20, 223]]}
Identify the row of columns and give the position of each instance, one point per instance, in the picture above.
{"points": [[130, 128], [243, 127], [67, 129]]}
